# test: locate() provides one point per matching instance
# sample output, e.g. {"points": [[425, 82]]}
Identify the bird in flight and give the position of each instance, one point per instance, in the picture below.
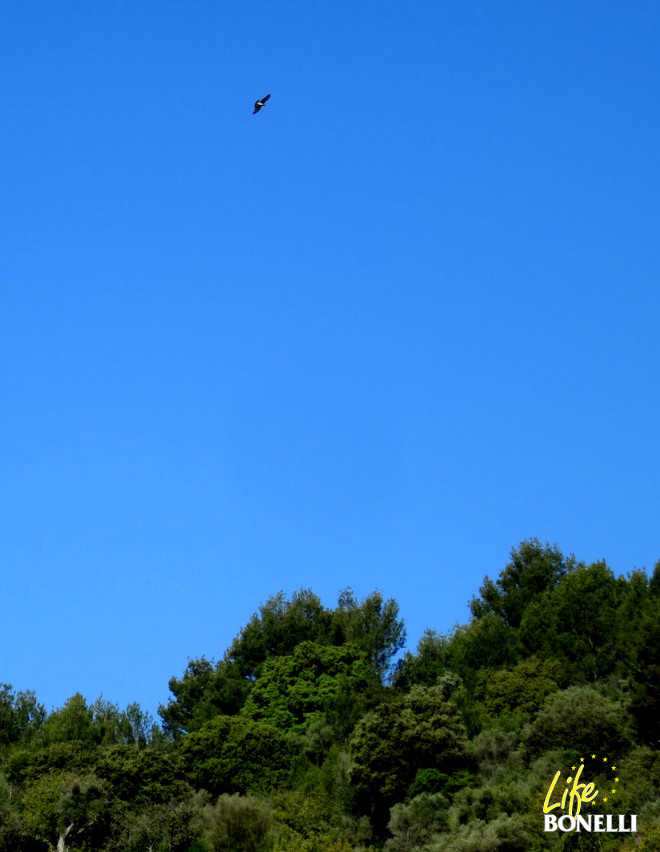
{"points": [[259, 104]]}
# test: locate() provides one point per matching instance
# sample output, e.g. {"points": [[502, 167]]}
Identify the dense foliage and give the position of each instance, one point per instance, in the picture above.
{"points": [[316, 732]]}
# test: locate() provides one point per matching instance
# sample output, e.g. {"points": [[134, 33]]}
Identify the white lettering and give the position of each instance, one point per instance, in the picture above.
{"points": [[593, 822], [562, 824], [584, 823]]}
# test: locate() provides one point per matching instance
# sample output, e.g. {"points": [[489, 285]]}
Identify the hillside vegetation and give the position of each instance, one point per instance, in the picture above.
{"points": [[317, 732]]}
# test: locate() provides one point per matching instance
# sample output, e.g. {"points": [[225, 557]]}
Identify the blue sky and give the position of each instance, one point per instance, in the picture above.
{"points": [[376, 335]]}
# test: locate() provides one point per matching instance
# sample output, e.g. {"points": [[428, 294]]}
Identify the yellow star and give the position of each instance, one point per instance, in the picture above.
{"points": [[616, 779], [605, 799], [572, 767], [604, 760], [582, 760], [593, 755], [613, 768], [614, 791]]}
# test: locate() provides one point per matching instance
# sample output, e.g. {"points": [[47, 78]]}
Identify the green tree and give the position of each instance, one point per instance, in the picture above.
{"points": [[170, 826], [27, 764], [149, 805], [581, 719], [137, 727], [576, 622], [643, 662], [72, 722], [502, 834], [394, 741], [373, 625], [10, 823], [65, 811], [293, 689], [21, 716], [486, 643], [277, 628], [142, 775], [413, 824], [112, 726], [99, 723], [205, 690], [232, 754], [238, 824], [524, 687], [426, 666], [316, 843], [434, 781], [208, 689], [533, 569]]}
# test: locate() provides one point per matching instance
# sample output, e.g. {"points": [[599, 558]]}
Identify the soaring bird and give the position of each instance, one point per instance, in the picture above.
{"points": [[259, 104]]}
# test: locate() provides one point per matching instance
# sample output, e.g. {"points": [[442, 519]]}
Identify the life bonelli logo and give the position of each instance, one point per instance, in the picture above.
{"points": [[573, 803]]}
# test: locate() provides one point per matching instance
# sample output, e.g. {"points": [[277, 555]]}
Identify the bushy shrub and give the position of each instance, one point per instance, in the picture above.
{"points": [[580, 718], [238, 824], [413, 825]]}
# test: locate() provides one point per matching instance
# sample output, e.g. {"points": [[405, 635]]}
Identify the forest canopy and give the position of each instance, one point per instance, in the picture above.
{"points": [[317, 730]]}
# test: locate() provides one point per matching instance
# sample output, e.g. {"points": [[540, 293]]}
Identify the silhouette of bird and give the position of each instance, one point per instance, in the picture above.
{"points": [[259, 104]]}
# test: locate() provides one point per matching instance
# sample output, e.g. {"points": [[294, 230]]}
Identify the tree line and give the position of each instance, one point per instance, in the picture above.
{"points": [[317, 732]]}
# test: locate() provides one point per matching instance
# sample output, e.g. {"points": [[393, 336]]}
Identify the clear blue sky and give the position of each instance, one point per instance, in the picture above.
{"points": [[376, 335]]}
